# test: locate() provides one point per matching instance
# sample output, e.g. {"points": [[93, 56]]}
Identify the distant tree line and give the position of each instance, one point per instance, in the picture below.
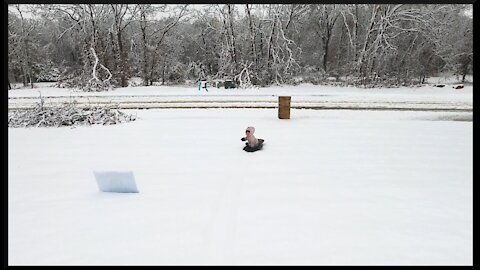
{"points": [[96, 47]]}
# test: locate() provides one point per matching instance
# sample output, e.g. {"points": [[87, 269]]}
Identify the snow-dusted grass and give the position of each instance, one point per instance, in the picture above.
{"points": [[329, 187]]}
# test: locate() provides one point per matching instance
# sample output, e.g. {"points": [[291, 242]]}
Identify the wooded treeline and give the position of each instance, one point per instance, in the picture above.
{"points": [[96, 47]]}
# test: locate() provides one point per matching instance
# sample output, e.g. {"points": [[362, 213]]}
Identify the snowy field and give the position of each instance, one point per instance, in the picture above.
{"points": [[303, 91], [329, 188], [303, 96]]}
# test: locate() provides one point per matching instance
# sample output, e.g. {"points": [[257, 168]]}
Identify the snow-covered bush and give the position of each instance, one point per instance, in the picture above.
{"points": [[96, 86], [135, 81], [46, 72], [314, 77]]}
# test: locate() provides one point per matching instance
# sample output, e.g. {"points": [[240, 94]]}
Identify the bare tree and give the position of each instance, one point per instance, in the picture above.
{"points": [[24, 42], [159, 35], [252, 36], [101, 44], [325, 17], [120, 23]]}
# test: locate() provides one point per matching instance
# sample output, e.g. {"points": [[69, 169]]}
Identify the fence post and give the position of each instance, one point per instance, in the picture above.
{"points": [[284, 107]]}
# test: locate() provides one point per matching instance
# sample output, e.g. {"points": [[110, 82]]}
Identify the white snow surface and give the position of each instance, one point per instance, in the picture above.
{"points": [[328, 188], [303, 96], [299, 92]]}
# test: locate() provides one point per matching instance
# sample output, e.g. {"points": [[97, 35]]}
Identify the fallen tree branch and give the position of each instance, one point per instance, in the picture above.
{"points": [[67, 114]]}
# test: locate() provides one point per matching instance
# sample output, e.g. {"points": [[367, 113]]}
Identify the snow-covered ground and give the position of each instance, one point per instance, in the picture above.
{"points": [[448, 78], [429, 93], [329, 188], [305, 95]]}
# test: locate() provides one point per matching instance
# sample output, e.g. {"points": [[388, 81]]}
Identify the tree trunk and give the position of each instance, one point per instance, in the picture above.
{"points": [[269, 46], [123, 61], [114, 53], [325, 54], [104, 57], [356, 32], [340, 51], [24, 75], [143, 29], [252, 37], [28, 67], [30, 77], [261, 42], [233, 38], [152, 68], [362, 63], [163, 69], [206, 55]]}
